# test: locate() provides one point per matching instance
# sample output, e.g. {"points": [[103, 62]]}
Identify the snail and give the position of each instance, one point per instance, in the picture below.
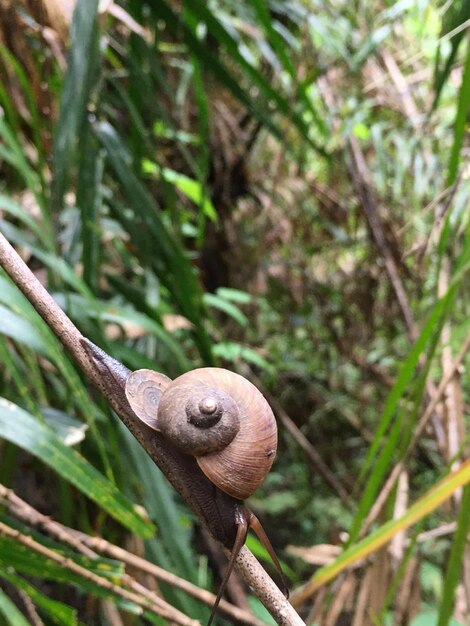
{"points": [[225, 423]]}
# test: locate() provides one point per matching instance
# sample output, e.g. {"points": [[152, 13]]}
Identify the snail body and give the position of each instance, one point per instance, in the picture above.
{"points": [[224, 422]]}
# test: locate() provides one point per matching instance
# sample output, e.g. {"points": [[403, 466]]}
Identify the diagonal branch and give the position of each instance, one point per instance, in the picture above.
{"points": [[216, 510], [361, 181]]}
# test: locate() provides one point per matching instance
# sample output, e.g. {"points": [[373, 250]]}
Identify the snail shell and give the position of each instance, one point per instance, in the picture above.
{"points": [[215, 415], [144, 390]]}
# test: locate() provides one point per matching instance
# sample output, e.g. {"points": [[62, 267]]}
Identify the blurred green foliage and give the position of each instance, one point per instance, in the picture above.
{"points": [[277, 187]]}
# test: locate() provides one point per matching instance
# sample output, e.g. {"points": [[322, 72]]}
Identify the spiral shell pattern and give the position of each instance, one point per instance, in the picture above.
{"points": [[246, 438], [144, 390]]}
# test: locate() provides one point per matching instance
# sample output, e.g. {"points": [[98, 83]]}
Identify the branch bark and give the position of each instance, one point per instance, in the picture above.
{"points": [[215, 509]]}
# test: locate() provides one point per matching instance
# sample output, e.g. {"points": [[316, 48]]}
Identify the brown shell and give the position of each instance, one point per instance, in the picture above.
{"points": [[182, 421], [241, 466], [144, 389]]}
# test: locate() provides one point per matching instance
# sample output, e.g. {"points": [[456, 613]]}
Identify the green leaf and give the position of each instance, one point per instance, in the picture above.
{"points": [[454, 564], [53, 262], [260, 552], [28, 327], [30, 563], [271, 95], [381, 461], [260, 611], [171, 548], [22, 429], [231, 351], [213, 64], [12, 151], [9, 205], [429, 617], [264, 16], [15, 327], [427, 503], [193, 190], [58, 612], [155, 240], [463, 108], [70, 430], [12, 615], [234, 295], [361, 131], [30, 98], [227, 307], [106, 312], [457, 13], [156, 246], [83, 59], [89, 201]]}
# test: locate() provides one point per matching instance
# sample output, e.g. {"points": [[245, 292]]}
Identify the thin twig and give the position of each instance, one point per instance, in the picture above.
{"points": [[403, 90], [89, 546], [361, 180], [313, 455], [155, 604], [30, 608]]}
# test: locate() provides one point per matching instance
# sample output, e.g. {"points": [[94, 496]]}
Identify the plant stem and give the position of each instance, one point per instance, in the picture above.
{"points": [[181, 474]]}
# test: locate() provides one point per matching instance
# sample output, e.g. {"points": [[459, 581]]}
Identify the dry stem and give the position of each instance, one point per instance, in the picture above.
{"points": [[89, 546], [151, 602], [252, 572]]}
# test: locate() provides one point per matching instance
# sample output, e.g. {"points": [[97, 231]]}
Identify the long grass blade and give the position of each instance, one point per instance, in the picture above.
{"points": [[58, 612], [375, 540], [175, 24], [156, 246], [377, 464], [463, 108], [82, 63], [12, 615], [454, 564], [457, 13], [22, 429]]}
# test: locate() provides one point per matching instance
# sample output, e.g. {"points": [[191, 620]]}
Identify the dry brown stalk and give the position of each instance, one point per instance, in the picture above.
{"points": [[89, 546], [403, 90], [408, 598], [309, 589], [341, 599], [454, 424], [398, 543], [30, 608], [390, 483], [361, 180], [313, 455], [151, 602], [362, 599]]}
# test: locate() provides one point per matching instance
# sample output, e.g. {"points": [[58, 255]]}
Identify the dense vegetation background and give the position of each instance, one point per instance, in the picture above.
{"points": [[280, 188]]}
